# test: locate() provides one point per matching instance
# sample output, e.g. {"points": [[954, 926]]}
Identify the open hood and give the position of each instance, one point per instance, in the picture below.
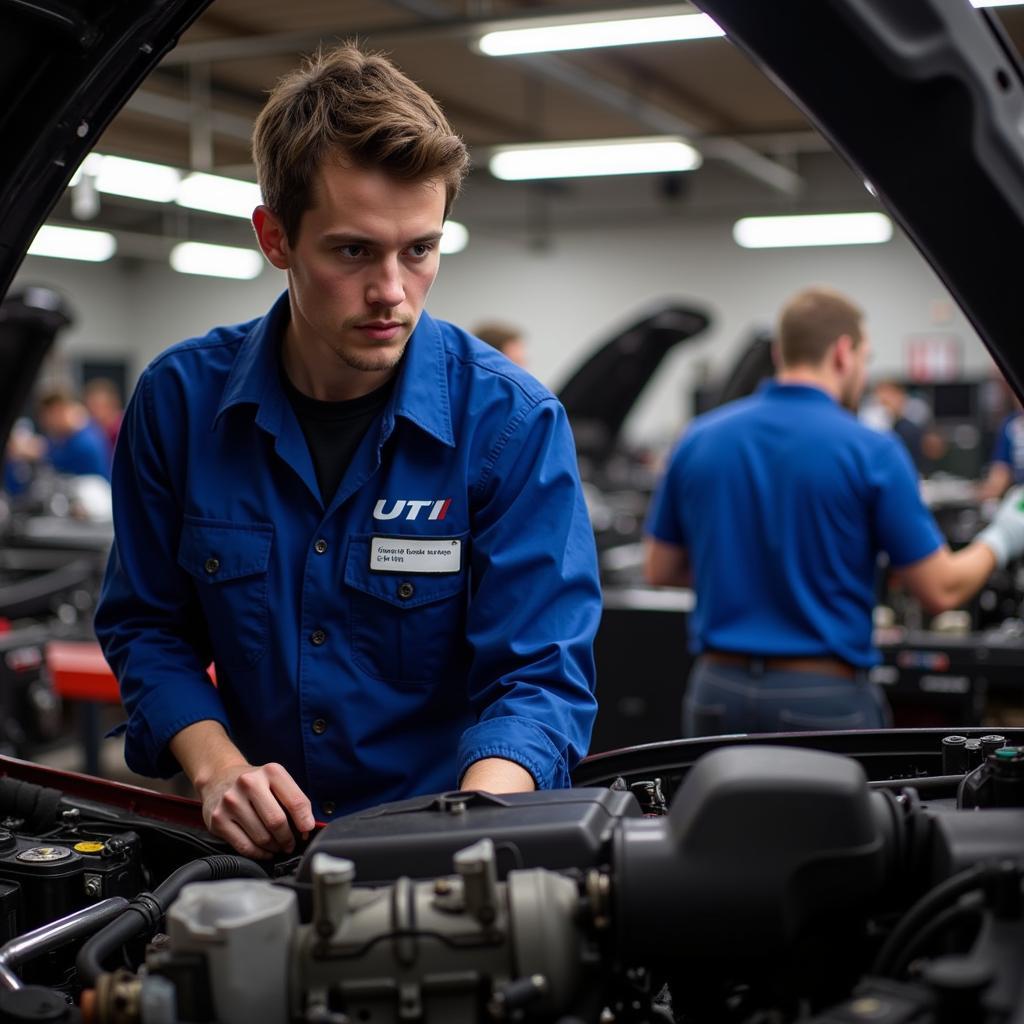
{"points": [[600, 393], [926, 100], [66, 68]]}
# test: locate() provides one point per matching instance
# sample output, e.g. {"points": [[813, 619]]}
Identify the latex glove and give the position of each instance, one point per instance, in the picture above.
{"points": [[1005, 534]]}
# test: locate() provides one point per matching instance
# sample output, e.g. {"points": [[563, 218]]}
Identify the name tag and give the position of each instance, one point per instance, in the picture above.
{"points": [[415, 554]]}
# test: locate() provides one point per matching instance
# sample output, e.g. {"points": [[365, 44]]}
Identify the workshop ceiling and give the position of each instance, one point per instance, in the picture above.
{"points": [[759, 150]]}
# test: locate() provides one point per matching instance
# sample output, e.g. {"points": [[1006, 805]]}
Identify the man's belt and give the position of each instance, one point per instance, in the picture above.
{"points": [[821, 665]]}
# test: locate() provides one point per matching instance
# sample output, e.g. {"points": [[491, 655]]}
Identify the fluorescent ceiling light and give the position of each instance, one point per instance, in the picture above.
{"points": [[585, 159], [454, 237], [818, 229], [996, 3], [589, 34], [73, 244], [219, 195], [136, 179], [216, 260]]}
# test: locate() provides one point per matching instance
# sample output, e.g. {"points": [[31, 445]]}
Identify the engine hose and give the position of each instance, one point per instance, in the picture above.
{"points": [[937, 899], [37, 805], [143, 914]]}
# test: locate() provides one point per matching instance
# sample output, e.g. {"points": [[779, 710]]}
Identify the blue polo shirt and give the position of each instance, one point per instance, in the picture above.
{"points": [[438, 609], [1009, 446], [783, 501], [85, 451]]}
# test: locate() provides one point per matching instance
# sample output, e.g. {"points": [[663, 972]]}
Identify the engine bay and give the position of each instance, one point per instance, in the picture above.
{"points": [[747, 882]]}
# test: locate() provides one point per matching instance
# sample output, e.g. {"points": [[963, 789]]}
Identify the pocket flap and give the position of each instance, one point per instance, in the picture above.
{"points": [[399, 589], [217, 551]]}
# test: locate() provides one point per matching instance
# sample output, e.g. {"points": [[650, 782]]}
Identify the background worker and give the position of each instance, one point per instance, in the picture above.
{"points": [[776, 508], [103, 400], [508, 340], [403, 501]]}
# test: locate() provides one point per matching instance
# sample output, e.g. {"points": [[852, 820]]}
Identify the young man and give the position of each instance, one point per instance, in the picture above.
{"points": [[369, 522], [779, 505]]}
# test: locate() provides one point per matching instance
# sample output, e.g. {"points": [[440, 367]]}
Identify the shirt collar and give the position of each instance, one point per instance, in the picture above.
{"points": [[421, 390], [775, 388]]}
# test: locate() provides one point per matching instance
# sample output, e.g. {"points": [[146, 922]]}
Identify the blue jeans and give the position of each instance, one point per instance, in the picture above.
{"points": [[725, 699]]}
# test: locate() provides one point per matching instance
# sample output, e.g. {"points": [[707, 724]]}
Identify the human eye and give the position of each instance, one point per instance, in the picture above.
{"points": [[351, 251], [420, 250]]}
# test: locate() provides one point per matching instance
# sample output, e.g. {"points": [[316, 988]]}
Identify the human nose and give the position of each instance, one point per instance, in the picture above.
{"points": [[385, 287]]}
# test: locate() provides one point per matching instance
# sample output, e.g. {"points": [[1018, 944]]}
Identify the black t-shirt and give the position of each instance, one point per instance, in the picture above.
{"points": [[333, 430]]}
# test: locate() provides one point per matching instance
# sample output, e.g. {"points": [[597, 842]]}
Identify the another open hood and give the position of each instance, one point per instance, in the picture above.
{"points": [[926, 99]]}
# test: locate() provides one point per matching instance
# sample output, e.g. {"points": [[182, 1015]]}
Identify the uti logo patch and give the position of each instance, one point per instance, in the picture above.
{"points": [[411, 508]]}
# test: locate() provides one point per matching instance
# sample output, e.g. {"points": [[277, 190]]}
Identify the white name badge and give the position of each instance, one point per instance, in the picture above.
{"points": [[415, 554]]}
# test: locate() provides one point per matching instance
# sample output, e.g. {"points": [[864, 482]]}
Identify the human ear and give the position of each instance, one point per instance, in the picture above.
{"points": [[271, 236]]}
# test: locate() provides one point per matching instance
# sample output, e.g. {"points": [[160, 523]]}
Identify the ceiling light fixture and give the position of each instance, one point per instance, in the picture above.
{"points": [[812, 229], [216, 194], [216, 260], [996, 3], [73, 244], [596, 157], [136, 179], [454, 237], [586, 35]]}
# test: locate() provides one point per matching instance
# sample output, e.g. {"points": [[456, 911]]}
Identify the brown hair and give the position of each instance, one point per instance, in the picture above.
{"points": [[812, 321], [357, 105], [497, 334], [54, 397]]}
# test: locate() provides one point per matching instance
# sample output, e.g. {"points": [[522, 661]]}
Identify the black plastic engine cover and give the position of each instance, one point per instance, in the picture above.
{"points": [[564, 828]]}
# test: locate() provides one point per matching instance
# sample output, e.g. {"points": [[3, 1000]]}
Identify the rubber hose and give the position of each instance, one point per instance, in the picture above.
{"points": [[146, 911]]}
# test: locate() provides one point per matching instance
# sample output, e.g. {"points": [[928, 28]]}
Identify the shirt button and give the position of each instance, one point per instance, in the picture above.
{"points": [[211, 565], [317, 637], [406, 590], [320, 546], [328, 806], [319, 726]]}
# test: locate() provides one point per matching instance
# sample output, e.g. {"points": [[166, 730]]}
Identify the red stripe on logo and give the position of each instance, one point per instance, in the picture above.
{"points": [[444, 508]]}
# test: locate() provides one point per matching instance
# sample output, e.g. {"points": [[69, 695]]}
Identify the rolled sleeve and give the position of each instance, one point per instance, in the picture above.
{"points": [[664, 521], [906, 530], [515, 739], [147, 620], [535, 604]]}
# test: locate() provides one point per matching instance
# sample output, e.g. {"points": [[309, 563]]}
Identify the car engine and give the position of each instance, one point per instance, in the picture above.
{"points": [[763, 883]]}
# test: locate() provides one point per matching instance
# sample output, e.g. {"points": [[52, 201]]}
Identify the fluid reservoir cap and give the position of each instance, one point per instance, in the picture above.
{"points": [[44, 854], [1007, 753], [33, 1003], [89, 847], [6, 839]]}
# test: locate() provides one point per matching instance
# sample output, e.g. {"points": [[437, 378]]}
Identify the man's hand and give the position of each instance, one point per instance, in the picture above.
{"points": [[496, 775], [252, 807]]}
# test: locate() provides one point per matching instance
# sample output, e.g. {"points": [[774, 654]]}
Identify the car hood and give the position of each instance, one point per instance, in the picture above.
{"points": [[65, 70], [925, 98]]}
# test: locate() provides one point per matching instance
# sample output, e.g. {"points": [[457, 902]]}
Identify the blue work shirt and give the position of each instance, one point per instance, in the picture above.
{"points": [[1009, 446], [783, 501], [367, 684], [84, 452]]}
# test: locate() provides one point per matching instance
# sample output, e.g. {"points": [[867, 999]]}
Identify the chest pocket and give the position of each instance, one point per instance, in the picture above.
{"points": [[406, 629], [228, 563]]}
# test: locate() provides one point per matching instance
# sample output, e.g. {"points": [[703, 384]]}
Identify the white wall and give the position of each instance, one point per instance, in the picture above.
{"points": [[568, 297]]}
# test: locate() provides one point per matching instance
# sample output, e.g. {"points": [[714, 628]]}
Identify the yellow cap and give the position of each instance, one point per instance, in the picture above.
{"points": [[88, 847]]}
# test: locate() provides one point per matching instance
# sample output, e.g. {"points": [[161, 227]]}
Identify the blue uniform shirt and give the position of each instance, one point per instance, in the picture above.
{"points": [[85, 451], [367, 684], [1009, 447], [783, 501]]}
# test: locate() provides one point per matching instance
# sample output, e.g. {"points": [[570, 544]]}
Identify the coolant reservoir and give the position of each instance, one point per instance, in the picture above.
{"points": [[244, 929]]}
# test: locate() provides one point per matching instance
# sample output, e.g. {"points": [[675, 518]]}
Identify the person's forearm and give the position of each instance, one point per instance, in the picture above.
{"points": [[496, 775], [204, 750], [969, 568]]}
